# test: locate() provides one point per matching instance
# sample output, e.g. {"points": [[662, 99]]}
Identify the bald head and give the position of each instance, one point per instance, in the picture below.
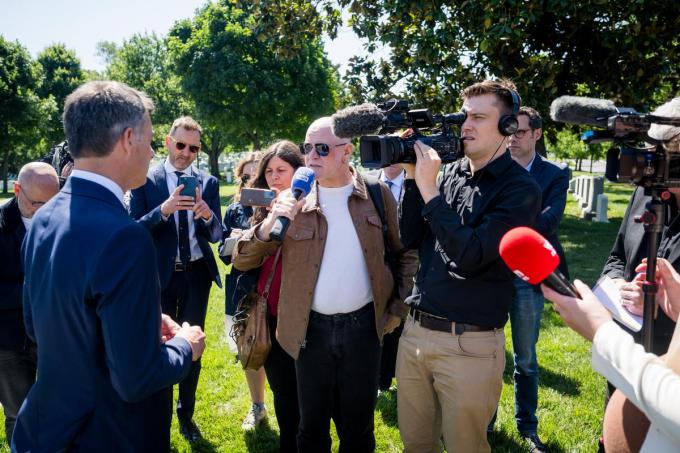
{"points": [[36, 184], [322, 129]]}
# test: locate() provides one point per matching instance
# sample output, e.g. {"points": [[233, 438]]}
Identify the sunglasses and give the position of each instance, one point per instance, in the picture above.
{"points": [[322, 149], [181, 145], [245, 178]]}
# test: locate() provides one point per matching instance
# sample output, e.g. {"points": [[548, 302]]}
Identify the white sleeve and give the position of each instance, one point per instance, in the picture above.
{"points": [[642, 377]]}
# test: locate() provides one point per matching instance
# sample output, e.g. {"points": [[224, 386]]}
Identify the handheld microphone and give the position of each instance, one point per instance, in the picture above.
{"points": [[533, 259], [582, 110], [300, 186], [357, 120]]}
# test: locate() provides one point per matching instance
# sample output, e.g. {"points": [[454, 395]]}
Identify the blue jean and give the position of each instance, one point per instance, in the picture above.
{"points": [[525, 319]]}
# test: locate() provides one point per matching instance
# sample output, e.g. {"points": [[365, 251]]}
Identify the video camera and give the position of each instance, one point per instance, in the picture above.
{"points": [[631, 161], [382, 150]]}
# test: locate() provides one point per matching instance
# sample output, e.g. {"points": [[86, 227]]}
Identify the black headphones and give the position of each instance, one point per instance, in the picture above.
{"points": [[507, 124]]}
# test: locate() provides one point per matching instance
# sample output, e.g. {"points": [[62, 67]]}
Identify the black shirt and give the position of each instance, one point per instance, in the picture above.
{"points": [[461, 275]]}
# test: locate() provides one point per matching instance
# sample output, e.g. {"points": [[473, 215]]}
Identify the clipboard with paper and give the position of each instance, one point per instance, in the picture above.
{"points": [[608, 294]]}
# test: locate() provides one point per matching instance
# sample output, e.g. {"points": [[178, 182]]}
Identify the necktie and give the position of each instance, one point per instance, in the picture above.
{"points": [[389, 183], [183, 233]]}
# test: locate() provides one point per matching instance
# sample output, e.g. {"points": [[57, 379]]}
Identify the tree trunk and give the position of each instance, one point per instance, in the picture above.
{"points": [[5, 167], [213, 156]]}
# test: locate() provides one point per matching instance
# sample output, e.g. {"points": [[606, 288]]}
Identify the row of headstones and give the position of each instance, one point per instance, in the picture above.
{"points": [[589, 191]]}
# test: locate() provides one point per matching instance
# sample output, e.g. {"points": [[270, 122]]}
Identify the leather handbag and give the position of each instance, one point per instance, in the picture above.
{"points": [[250, 330]]}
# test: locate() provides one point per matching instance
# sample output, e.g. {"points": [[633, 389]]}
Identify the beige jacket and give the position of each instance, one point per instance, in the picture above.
{"points": [[302, 253]]}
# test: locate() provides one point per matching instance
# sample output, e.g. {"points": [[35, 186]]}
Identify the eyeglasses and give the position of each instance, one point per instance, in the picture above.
{"points": [[181, 145], [35, 204], [245, 178], [322, 149], [520, 133]]}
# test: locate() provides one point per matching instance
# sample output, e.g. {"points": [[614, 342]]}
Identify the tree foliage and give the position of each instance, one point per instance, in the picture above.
{"points": [[61, 75], [22, 112], [241, 84]]}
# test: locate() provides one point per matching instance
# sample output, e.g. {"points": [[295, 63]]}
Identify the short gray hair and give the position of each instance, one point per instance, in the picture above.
{"points": [[97, 113], [665, 132]]}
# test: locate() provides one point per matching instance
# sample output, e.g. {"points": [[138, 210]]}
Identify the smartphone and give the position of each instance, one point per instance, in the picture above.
{"points": [[257, 197], [190, 184], [228, 247]]}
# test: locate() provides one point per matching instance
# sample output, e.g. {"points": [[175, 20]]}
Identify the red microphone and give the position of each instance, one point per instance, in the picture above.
{"points": [[533, 259]]}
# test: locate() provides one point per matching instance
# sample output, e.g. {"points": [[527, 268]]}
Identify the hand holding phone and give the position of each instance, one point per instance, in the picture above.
{"points": [[256, 197], [190, 183]]}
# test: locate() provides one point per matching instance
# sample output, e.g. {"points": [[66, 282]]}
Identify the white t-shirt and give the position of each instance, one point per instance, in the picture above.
{"points": [[343, 285]]}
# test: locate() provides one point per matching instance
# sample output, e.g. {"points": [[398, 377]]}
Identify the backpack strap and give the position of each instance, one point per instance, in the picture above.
{"points": [[375, 192]]}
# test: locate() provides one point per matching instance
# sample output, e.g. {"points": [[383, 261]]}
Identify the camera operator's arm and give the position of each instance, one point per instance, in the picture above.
{"points": [[472, 248], [412, 226], [553, 204]]}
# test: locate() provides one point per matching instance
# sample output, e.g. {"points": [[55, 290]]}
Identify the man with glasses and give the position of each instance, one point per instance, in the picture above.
{"points": [[36, 184], [527, 303], [182, 226], [336, 298]]}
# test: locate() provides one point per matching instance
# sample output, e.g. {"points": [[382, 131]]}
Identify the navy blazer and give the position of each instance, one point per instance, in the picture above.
{"points": [[145, 206], [92, 304], [554, 182], [12, 232]]}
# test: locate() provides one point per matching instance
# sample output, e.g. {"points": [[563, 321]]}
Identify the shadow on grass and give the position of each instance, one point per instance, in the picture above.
{"points": [[387, 406], [500, 441], [203, 445], [262, 439], [546, 377]]}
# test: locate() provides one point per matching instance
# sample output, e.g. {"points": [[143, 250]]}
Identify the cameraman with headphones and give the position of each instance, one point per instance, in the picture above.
{"points": [[452, 351]]}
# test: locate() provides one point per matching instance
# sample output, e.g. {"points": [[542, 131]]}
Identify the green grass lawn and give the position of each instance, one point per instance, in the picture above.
{"points": [[570, 394]]}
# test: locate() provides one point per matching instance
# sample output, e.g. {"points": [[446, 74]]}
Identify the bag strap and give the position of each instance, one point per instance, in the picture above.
{"points": [[375, 192], [270, 277]]}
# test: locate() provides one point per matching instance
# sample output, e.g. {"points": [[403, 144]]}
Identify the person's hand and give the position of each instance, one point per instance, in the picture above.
{"points": [[428, 164], [283, 206], [236, 233], [176, 202], [169, 328], [668, 280], [585, 316], [196, 338], [66, 171], [201, 208], [390, 322], [632, 297]]}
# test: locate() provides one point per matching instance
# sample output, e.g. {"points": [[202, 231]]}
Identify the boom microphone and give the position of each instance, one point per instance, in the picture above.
{"points": [[357, 120], [533, 259], [582, 110], [300, 186]]}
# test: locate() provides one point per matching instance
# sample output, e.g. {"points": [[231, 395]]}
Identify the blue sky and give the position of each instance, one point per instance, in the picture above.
{"points": [[82, 24]]}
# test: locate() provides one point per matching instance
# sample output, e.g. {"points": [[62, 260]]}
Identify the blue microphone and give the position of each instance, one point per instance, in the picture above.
{"points": [[300, 186]]}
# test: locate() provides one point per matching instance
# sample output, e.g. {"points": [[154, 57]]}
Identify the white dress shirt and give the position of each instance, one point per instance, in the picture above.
{"points": [[397, 184], [171, 179]]}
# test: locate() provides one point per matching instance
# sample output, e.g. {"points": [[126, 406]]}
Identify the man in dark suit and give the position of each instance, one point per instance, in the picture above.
{"points": [[527, 304], [36, 184], [107, 359], [182, 228]]}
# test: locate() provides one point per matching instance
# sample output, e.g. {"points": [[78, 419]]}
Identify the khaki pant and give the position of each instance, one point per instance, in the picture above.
{"points": [[447, 384]]}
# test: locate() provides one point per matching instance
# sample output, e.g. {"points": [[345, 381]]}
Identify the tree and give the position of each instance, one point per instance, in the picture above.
{"points": [[22, 112], [241, 85], [62, 75]]}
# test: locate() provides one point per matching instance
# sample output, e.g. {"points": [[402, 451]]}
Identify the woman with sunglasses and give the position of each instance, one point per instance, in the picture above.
{"points": [[275, 172], [238, 284]]}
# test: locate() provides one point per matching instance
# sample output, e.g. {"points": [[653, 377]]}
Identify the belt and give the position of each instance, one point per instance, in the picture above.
{"points": [[190, 266], [433, 322]]}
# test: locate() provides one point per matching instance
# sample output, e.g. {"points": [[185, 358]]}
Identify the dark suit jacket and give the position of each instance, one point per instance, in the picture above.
{"points": [[92, 304], [145, 206], [12, 232], [630, 247], [554, 182]]}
